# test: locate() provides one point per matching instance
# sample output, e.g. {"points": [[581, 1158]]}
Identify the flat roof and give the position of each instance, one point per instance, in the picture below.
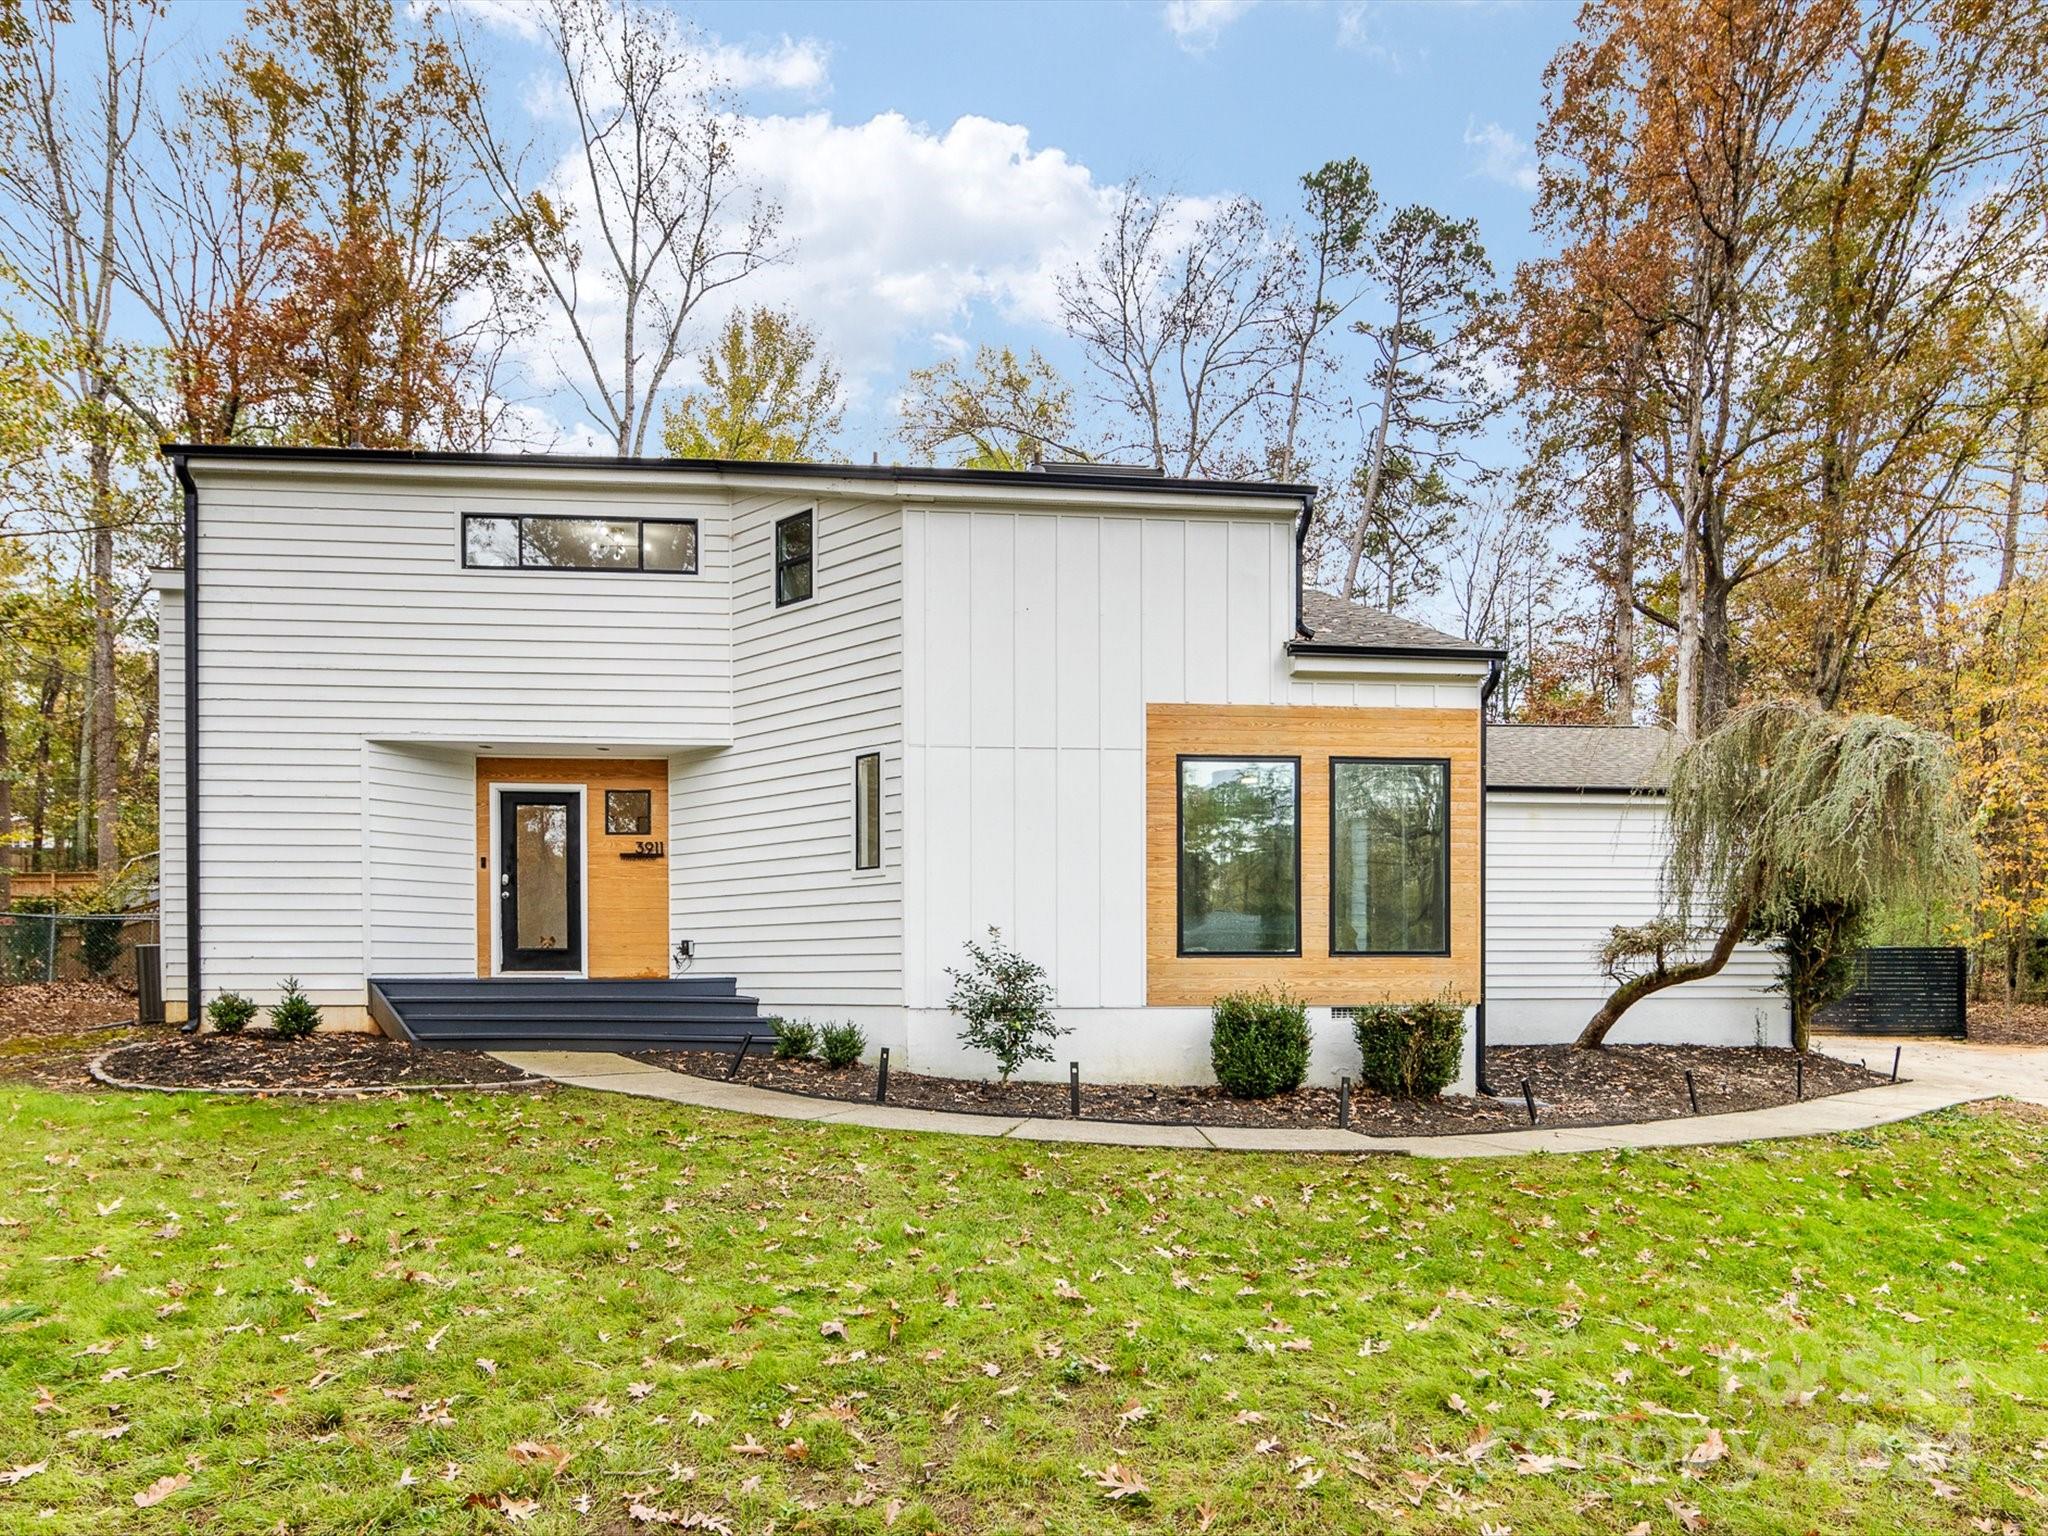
{"points": [[1118, 477]]}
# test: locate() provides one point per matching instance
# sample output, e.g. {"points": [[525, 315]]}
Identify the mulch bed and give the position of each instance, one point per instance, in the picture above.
{"points": [[1623, 1084], [2008, 1023], [48, 1032], [260, 1062]]}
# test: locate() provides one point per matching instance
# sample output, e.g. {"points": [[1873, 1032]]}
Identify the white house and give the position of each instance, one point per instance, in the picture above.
{"points": [[473, 745]]}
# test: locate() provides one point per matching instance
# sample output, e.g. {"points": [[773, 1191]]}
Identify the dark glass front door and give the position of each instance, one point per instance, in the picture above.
{"points": [[540, 880]]}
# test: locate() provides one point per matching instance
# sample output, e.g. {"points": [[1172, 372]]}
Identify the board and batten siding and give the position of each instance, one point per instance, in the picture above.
{"points": [[1034, 639], [335, 612], [761, 833], [1561, 871]]}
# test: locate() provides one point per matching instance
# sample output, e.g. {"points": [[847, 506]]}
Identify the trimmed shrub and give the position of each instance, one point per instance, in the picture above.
{"points": [[795, 1039], [1007, 1003], [1258, 1043], [1410, 1050], [295, 1015], [230, 1013], [841, 1044]]}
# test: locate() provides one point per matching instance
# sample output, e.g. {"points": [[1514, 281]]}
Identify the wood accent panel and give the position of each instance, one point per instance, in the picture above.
{"points": [[625, 928], [1315, 734]]}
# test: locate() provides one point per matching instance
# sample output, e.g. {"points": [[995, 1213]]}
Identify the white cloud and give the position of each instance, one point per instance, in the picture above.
{"points": [[1355, 32], [1197, 24], [903, 232], [1501, 156], [800, 65]]}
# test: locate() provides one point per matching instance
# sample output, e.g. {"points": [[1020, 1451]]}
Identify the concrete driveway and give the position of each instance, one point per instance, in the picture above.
{"points": [[2008, 1071]]}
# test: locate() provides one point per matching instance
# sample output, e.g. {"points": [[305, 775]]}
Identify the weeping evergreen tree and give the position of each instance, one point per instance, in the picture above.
{"points": [[1788, 825]]}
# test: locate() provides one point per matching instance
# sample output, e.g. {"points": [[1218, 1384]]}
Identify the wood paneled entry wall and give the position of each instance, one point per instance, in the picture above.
{"points": [[625, 891], [1310, 736]]}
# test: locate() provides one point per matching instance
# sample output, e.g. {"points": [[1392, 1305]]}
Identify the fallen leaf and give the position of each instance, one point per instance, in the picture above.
{"points": [[161, 1489]]}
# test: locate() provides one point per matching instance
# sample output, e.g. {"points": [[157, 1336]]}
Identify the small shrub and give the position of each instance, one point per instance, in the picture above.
{"points": [[1007, 1003], [1258, 1043], [1411, 1050], [28, 938], [230, 1013], [295, 1015], [841, 1044], [795, 1039]]}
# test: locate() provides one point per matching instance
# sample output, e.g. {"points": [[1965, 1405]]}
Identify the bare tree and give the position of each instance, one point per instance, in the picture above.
{"points": [[1338, 202], [1178, 315], [637, 215], [63, 162]]}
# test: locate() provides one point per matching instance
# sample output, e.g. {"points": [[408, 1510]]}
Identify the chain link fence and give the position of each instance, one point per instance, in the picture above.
{"points": [[73, 946]]}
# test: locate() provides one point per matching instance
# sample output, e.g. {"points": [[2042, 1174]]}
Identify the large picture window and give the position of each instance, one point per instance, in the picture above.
{"points": [[580, 543], [793, 559], [1390, 857], [1240, 856]]}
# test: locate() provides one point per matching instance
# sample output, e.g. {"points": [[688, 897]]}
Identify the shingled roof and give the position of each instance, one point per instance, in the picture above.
{"points": [[1332, 621], [1617, 758]]}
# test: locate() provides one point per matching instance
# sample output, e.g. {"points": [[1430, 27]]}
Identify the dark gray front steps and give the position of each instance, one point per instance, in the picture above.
{"points": [[556, 1013]]}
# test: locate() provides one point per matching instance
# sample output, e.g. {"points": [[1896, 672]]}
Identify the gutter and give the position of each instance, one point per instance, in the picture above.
{"points": [[1308, 512], [1493, 672], [1440, 652], [182, 471]]}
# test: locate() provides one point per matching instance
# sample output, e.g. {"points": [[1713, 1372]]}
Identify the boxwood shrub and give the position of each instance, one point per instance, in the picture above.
{"points": [[841, 1044], [1410, 1050], [1258, 1043]]}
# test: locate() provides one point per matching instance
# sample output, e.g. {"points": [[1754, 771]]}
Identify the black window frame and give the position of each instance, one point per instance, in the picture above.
{"points": [[809, 560], [1443, 763], [640, 525], [646, 827], [860, 811], [1180, 949]]}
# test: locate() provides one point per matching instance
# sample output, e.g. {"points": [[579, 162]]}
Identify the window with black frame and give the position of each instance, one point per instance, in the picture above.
{"points": [[664, 545], [793, 551], [867, 811], [1390, 856], [1239, 855]]}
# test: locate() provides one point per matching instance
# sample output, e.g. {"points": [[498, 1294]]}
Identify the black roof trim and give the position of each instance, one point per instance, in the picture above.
{"points": [[1443, 652], [1118, 479]]}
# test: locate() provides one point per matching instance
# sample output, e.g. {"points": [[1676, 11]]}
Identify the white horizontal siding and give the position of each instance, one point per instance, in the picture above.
{"points": [[1562, 871], [761, 834], [170, 790], [335, 612], [420, 849]]}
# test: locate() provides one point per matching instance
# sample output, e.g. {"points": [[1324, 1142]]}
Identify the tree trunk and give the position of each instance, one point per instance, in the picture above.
{"points": [[105, 763], [53, 688], [1377, 462], [1633, 991], [1623, 574]]}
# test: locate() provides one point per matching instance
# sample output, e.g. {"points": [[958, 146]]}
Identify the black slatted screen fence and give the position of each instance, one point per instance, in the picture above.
{"points": [[1902, 991]]}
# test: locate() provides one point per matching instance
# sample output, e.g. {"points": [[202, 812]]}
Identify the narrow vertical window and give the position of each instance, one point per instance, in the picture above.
{"points": [[867, 811], [793, 559]]}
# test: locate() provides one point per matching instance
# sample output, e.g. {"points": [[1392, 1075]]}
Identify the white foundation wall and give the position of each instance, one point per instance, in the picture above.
{"points": [[1033, 640], [761, 833], [1561, 871], [339, 631]]}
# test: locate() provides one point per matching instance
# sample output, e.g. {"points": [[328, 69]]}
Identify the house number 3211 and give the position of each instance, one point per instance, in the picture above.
{"points": [[643, 849]]}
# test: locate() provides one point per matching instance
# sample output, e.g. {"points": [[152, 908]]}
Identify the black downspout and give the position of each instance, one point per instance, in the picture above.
{"points": [[1493, 669], [183, 472], [1308, 512]]}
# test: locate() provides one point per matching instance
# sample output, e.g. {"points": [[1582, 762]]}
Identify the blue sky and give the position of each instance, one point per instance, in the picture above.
{"points": [[940, 163]]}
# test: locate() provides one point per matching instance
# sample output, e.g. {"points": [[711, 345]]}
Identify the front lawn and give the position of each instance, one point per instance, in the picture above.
{"points": [[578, 1313]]}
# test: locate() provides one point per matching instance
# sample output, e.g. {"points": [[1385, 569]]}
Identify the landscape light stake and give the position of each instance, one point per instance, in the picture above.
{"points": [[1897, 1052], [1344, 1105], [882, 1076], [1799, 1077], [1074, 1088], [738, 1056], [1691, 1092], [1529, 1098]]}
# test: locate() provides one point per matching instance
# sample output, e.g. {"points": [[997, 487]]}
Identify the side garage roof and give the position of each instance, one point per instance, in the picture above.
{"points": [[1625, 759]]}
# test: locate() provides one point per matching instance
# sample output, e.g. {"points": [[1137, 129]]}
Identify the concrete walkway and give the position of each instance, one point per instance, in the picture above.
{"points": [[1942, 1074]]}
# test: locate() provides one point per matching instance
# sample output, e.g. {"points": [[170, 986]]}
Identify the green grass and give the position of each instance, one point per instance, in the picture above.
{"points": [[346, 1317]]}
